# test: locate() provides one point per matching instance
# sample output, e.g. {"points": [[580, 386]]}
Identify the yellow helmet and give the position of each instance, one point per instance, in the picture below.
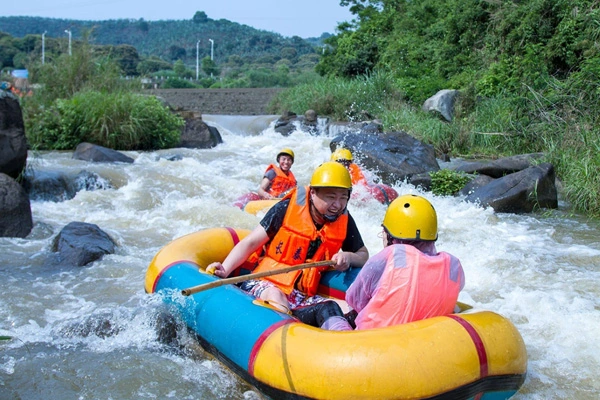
{"points": [[287, 152], [331, 174], [342, 154], [411, 217]]}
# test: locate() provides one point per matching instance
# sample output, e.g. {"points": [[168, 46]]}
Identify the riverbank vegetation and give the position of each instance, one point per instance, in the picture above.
{"points": [[81, 98], [528, 73]]}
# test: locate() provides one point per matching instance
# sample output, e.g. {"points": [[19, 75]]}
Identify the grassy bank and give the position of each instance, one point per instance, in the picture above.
{"points": [[81, 98], [557, 122]]}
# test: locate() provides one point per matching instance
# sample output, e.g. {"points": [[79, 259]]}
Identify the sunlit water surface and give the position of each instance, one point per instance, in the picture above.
{"points": [[541, 271]]}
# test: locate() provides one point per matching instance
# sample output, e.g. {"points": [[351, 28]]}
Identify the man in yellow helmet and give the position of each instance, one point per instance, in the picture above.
{"points": [[278, 180], [344, 157], [311, 223], [409, 279]]}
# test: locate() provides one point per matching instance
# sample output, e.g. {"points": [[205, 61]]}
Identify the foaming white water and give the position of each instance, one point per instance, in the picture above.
{"points": [[540, 271]]}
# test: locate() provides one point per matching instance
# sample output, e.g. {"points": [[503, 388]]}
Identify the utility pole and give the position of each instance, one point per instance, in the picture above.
{"points": [[69, 32], [197, 59], [212, 44], [44, 46]]}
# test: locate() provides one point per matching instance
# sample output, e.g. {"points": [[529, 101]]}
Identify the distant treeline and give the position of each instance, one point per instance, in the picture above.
{"points": [[161, 43]]}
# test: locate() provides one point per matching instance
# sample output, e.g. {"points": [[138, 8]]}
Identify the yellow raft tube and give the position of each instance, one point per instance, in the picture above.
{"points": [[468, 355]]}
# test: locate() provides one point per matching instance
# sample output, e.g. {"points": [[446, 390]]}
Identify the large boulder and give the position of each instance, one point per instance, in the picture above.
{"points": [[48, 186], [500, 167], [15, 209], [285, 123], [443, 103], [93, 152], [394, 156], [197, 134], [59, 186], [79, 244], [13, 143], [519, 192], [288, 122]]}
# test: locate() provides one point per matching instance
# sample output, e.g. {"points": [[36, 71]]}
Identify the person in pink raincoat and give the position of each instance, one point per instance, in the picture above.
{"points": [[408, 280]]}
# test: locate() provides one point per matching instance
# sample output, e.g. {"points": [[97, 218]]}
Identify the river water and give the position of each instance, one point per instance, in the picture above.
{"points": [[542, 271]]}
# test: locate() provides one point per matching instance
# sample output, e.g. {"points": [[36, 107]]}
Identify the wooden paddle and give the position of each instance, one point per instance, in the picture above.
{"points": [[242, 278]]}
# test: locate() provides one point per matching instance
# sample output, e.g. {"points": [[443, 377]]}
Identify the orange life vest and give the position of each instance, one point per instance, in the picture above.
{"points": [[357, 176], [413, 286], [291, 243], [282, 181]]}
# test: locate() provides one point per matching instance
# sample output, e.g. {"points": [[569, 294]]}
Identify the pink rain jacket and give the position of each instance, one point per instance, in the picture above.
{"points": [[402, 284]]}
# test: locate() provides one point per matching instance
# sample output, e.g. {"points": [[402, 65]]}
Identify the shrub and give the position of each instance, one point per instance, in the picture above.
{"points": [[178, 83], [122, 121], [446, 182]]}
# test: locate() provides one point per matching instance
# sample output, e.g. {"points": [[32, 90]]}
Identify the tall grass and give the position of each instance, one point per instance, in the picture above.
{"points": [[340, 98], [120, 120]]}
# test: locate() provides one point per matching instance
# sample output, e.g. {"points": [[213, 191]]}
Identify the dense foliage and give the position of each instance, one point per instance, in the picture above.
{"points": [[81, 98], [121, 121], [495, 46], [528, 72]]}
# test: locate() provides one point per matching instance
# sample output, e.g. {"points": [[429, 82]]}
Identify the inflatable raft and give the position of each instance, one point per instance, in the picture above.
{"points": [[252, 203], [382, 193], [470, 354]]}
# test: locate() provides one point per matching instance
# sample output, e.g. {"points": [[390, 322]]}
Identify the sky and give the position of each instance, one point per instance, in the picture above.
{"points": [[304, 18]]}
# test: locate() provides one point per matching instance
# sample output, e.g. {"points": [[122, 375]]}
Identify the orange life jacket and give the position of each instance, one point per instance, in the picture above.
{"points": [[413, 286], [282, 181], [290, 245], [357, 176]]}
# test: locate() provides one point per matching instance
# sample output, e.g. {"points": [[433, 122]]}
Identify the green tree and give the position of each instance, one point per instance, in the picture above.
{"points": [[176, 52], [179, 68], [200, 17], [210, 67], [126, 56], [143, 25], [8, 49], [152, 64]]}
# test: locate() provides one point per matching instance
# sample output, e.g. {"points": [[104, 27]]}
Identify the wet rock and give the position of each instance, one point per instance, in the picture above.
{"points": [[394, 156], [500, 167], [15, 210], [197, 134], [98, 325], [48, 186], [90, 181], [13, 143], [285, 123], [310, 117], [57, 186], [422, 180], [94, 153], [519, 192], [477, 182], [79, 244], [167, 328]]}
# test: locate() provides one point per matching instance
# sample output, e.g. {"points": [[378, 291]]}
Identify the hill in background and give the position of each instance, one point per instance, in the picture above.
{"points": [[171, 40]]}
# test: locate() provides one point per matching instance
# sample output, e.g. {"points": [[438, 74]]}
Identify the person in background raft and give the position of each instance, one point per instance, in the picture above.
{"points": [[278, 180], [344, 157], [311, 223], [407, 281]]}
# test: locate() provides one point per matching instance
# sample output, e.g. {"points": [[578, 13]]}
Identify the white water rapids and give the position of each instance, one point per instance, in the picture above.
{"points": [[542, 271]]}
